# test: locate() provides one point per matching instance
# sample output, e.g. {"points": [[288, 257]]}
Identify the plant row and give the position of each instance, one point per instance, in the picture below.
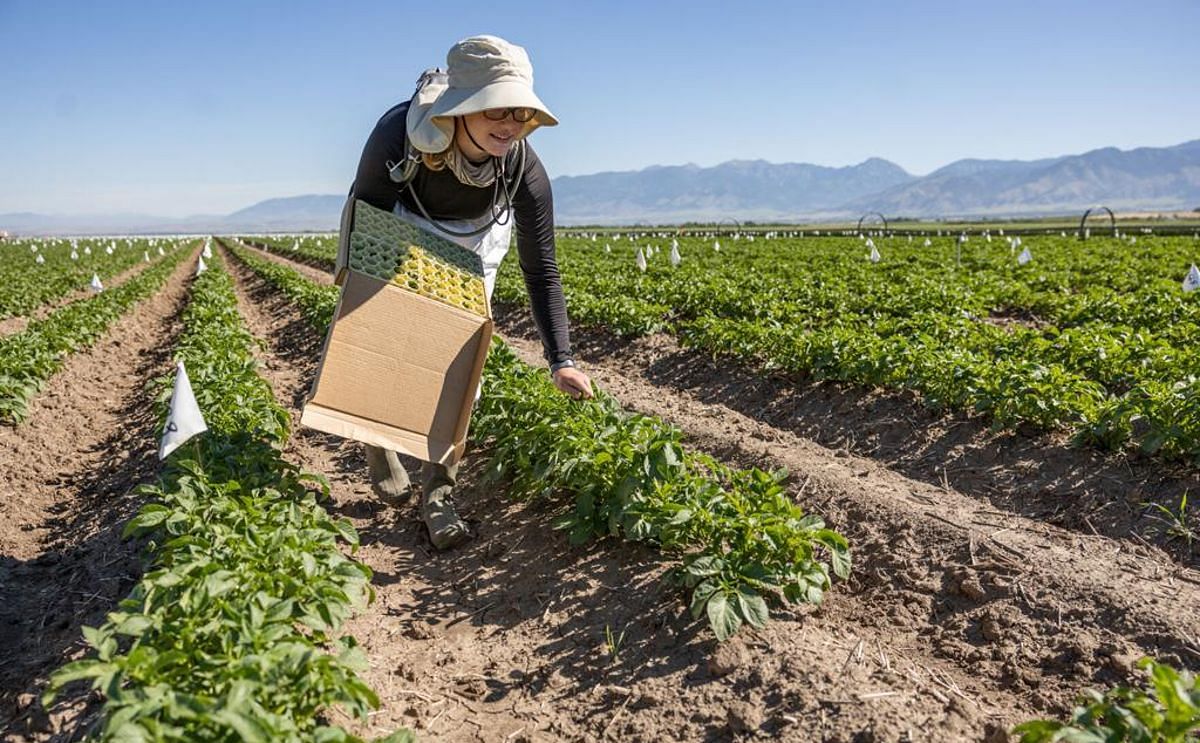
{"points": [[741, 540], [1093, 338], [36, 272], [28, 359], [315, 250], [230, 634]]}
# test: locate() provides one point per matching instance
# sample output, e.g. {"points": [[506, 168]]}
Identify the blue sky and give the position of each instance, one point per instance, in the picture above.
{"points": [[181, 108]]}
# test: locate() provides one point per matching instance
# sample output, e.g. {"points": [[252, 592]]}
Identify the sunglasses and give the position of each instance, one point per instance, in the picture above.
{"points": [[520, 114]]}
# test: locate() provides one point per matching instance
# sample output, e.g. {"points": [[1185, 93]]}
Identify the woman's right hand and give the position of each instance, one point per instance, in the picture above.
{"points": [[571, 381]]}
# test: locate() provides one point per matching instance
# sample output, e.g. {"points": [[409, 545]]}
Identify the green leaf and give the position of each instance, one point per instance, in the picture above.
{"points": [[671, 455], [149, 518], [705, 566], [580, 534], [74, 671], [345, 529], [700, 596], [247, 728], [1037, 731], [134, 625], [839, 559], [722, 616], [752, 607], [280, 611]]}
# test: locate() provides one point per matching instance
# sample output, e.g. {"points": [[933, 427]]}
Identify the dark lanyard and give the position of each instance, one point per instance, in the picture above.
{"points": [[505, 193]]}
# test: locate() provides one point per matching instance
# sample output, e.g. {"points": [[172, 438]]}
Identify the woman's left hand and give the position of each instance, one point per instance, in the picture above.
{"points": [[573, 382]]}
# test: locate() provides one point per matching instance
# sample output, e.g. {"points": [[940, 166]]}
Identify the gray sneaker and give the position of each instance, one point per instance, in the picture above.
{"points": [[389, 479], [446, 529]]}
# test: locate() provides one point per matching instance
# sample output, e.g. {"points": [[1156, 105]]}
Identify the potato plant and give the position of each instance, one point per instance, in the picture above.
{"points": [[1166, 710], [232, 632]]}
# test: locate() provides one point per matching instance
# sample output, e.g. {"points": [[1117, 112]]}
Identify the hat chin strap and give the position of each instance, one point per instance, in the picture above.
{"points": [[467, 129]]}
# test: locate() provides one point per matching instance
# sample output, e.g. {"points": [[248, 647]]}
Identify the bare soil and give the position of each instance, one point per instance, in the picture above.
{"points": [[65, 495]]}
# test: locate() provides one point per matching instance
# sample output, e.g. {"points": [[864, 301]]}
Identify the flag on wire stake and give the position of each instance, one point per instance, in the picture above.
{"points": [[874, 256], [1024, 257], [185, 419], [96, 286], [1191, 282], [641, 260], [200, 267], [675, 257], [207, 252]]}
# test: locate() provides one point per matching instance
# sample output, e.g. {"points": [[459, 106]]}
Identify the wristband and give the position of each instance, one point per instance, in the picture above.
{"points": [[568, 363]]}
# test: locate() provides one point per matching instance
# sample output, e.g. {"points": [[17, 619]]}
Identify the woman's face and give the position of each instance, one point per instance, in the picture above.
{"points": [[495, 137]]}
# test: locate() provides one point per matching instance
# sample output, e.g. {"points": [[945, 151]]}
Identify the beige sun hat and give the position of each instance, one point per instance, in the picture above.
{"points": [[483, 72]]}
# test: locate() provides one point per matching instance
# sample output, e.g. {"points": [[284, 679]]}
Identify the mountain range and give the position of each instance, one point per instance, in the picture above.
{"points": [[1146, 178]]}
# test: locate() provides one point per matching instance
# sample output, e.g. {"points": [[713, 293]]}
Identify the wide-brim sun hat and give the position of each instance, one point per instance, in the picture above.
{"points": [[483, 72]]}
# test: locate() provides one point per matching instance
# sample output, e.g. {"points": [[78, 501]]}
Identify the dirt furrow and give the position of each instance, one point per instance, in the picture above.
{"points": [[68, 471], [311, 273], [520, 635]]}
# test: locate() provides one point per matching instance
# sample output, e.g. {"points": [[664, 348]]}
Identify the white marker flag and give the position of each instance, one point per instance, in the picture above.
{"points": [[146, 256], [96, 286], [200, 267], [39, 259], [675, 257], [717, 245], [185, 419], [641, 260], [1191, 282], [875, 256], [1024, 257], [207, 252]]}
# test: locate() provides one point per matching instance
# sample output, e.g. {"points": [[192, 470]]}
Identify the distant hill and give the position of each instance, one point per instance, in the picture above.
{"points": [[1146, 178], [300, 213], [1163, 178], [743, 189]]}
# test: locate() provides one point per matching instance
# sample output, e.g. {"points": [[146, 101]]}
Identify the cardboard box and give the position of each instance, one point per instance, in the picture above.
{"points": [[398, 370]]}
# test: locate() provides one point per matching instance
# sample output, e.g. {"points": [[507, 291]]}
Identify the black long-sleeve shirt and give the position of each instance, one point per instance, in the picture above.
{"points": [[445, 197]]}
